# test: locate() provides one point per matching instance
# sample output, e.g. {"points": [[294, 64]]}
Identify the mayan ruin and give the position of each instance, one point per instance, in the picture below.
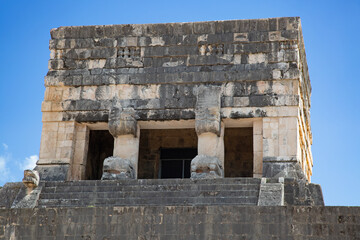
{"points": [[197, 130]]}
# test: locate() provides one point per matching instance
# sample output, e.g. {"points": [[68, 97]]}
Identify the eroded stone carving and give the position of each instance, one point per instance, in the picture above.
{"points": [[207, 120], [206, 167], [207, 111], [31, 179], [291, 170], [211, 49], [122, 121], [117, 168], [129, 52], [271, 193]]}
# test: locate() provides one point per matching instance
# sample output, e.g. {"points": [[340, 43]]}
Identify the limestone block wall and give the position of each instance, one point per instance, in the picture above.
{"points": [[257, 66], [182, 222]]}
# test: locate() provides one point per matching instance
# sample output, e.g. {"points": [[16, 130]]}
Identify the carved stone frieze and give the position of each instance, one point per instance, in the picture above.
{"points": [[122, 121], [207, 112], [31, 178]]}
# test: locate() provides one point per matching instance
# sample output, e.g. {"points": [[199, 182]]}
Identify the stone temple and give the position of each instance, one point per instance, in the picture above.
{"points": [[175, 131]]}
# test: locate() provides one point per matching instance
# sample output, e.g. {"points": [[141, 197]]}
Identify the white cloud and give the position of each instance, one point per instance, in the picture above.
{"points": [[11, 170], [4, 171], [2, 164], [29, 162], [5, 146], [4, 160]]}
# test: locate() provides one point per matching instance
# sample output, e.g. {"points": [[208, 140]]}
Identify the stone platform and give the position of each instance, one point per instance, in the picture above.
{"points": [[182, 222], [164, 192]]}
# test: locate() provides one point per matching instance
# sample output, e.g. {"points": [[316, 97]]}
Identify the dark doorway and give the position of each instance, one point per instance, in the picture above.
{"points": [[165, 153], [101, 146], [238, 152], [175, 162]]}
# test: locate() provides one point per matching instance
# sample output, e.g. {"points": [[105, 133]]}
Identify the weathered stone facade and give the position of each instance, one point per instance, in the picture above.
{"points": [[208, 76], [127, 106], [183, 222]]}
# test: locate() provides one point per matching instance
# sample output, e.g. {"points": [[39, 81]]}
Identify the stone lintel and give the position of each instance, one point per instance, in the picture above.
{"points": [[293, 159]]}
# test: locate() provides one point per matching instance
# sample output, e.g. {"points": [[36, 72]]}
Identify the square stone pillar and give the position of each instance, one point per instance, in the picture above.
{"points": [[210, 144], [281, 148], [126, 132], [127, 147], [56, 150], [258, 148], [210, 159], [78, 164]]}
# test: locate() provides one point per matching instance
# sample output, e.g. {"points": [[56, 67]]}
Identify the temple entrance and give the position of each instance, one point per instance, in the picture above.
{"points": [[166, 153], [238, 152], [175, 162], [101, 146]]}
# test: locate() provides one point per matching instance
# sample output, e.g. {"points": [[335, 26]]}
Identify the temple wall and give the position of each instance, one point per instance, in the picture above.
{"points": [[253, 60], [259, 67], [182, 222]]}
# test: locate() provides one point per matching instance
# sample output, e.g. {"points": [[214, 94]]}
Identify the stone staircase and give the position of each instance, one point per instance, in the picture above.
{"points": [[145, 192]]}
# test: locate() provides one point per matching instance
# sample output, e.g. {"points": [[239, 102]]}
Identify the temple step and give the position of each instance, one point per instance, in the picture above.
{"points": [[236, 191], [143, 202], [143, 182], [149, 188]]}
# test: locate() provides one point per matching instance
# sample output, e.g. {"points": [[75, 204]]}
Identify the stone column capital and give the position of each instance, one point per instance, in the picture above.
{"points": [[122, 121], [207, 111]]}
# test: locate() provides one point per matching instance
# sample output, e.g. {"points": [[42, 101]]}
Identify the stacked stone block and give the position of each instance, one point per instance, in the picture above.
{"points": [[158, 71], [208, 77], [164, 192], [182, 222]]}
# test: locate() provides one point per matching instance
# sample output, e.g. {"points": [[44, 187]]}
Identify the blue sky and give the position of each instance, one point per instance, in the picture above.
{"points": [[331, 33]]}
